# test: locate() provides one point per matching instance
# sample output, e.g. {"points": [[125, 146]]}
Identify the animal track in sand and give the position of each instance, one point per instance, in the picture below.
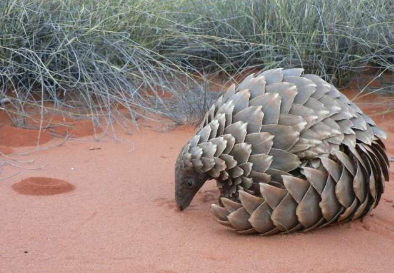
{"points": [[42, 186], [378, 225], [164, 202]]}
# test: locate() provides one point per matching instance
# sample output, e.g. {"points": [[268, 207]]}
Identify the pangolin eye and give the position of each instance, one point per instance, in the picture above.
{"points": [[190, 183]]}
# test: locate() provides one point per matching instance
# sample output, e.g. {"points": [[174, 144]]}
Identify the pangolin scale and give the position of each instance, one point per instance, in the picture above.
{"points": [[289, 153]]}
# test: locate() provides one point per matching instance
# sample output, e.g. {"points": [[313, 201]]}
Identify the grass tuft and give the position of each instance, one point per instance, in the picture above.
{"points": [[88, 57]]}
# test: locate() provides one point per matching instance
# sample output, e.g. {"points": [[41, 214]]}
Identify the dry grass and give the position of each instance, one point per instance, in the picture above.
{"points": [[88, 57]]}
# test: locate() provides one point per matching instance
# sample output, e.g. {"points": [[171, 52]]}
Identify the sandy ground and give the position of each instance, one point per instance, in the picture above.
{"points": [[121, 216]]}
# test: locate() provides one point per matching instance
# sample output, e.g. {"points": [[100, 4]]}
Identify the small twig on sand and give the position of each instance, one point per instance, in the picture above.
{"points": [[27, 168], [19, 163], [16, 160], [42, 148], [12, 175]]}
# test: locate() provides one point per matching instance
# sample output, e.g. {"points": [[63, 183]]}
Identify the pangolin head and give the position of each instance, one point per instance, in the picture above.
{"points": [[187, 182]]}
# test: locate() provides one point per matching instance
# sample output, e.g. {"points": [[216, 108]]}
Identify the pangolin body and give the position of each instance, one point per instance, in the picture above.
{"points": [[289, 153]]}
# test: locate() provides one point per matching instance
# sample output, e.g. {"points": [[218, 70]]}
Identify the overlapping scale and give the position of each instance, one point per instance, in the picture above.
{"points": [[289, 153]]}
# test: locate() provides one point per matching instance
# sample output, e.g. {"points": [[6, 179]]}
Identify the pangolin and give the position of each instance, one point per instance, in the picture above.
{"points": [[288, 151]]}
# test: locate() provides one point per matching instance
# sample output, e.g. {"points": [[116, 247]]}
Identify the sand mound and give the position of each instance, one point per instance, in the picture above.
{"points": [[79, 128], [63, 125], [11, 136], [42, 186], [6, 150], [18, 137]]}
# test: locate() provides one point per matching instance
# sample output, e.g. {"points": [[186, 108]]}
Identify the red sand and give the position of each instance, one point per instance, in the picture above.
{"points": [[4, 118], [18, 137], [42, 186], [121, 217], [6, 150], [79, 128], [63, 126]]}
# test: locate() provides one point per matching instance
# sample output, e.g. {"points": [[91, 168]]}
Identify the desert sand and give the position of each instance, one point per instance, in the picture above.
{"points": [[114, 211]]}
